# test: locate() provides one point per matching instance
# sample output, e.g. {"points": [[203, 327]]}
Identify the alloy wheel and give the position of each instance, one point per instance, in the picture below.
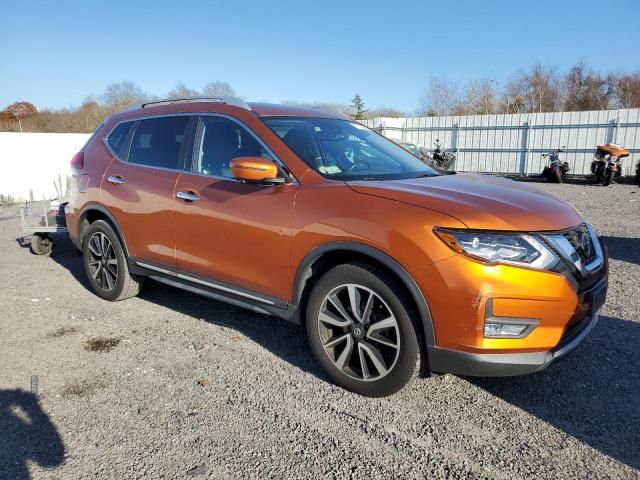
{"points": [[359, 332], [103, 264]]}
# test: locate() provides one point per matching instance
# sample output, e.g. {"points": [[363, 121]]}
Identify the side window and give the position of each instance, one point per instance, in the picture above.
{"points": [[119, 140], [221, 141], [158, 142]]}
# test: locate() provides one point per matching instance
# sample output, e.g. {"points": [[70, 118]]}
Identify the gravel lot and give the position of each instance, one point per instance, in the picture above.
{"points": [[172, 385]]}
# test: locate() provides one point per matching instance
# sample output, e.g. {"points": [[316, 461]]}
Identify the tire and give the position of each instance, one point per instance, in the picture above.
{"points": [[557, 175], [41, 244], [384, 339], [109, 283], [606, 181]]}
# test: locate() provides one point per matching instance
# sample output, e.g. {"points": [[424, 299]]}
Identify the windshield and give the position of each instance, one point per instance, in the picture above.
{"points": [[345, 150]]}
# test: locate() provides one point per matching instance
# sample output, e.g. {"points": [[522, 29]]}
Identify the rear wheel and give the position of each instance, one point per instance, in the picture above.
{"points": [[557, 175], [360, 330], [105, 264]]}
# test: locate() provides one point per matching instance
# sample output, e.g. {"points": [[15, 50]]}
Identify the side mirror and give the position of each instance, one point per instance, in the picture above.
{"points": [[255, 170]]}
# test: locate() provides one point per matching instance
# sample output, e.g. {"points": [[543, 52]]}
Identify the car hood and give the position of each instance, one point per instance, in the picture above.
{"points": [[479, 201]]}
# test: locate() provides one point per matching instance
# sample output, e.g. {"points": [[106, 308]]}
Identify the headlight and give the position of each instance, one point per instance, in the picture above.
{"points": [[515, 249]]}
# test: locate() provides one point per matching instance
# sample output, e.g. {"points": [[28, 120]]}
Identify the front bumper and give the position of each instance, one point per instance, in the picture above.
{"points": [[443, 360]]}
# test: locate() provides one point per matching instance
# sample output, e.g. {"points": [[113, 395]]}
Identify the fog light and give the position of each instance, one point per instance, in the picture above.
{"points": [[503, 330], [506, 327]]}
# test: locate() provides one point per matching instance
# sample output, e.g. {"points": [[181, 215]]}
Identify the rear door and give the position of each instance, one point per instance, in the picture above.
{"points": [[138, 187]]}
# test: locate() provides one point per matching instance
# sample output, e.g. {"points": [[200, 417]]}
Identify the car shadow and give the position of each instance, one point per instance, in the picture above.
{"points": [[282, 338], [623, 248], [592, 394], [26, 435]]}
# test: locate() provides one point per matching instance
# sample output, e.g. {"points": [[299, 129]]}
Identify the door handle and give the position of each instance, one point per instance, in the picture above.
{"points": [[115, 179], [188, 196]]}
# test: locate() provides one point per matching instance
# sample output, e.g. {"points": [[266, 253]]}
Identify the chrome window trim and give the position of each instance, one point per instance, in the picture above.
{"points": [[105, 139], [139, 119], [280, 163]]}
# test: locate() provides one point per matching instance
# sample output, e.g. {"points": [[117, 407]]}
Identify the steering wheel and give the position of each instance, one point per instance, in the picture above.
{"points": [[359, 163]]}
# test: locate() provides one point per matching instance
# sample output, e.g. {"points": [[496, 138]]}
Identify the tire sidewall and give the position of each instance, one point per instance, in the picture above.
{"points": [[39, 245], [105, 228], [408, 360]]}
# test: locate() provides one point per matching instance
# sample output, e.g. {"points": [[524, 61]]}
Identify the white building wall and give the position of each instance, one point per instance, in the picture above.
{"points": [[31, 161]]}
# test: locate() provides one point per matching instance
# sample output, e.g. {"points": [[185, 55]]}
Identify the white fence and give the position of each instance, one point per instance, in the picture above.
{"points": [[515, 143], [30, 162]]}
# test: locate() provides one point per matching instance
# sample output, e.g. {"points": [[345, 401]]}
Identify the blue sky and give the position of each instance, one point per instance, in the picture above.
{"points": [[55, 54]]}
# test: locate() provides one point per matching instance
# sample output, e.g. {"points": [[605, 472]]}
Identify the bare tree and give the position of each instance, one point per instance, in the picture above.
{"points": [[182, 91], [479, 98], [120, 95], [388, 112], [218, 89], [441, 97], [586, 89], [626, 89], [533, 91]]}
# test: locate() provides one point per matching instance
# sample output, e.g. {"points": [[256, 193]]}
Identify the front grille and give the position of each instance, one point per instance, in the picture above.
{"points": [[582, 243]]}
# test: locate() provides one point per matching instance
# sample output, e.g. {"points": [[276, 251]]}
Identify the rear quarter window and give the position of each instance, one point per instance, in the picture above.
{"points": [[119, 139]]}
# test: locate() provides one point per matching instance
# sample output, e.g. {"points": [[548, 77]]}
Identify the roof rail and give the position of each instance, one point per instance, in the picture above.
{"points": [[233, 101]]}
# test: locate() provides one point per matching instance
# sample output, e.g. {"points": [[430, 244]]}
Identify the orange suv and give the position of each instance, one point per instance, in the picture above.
{"points": [[393, 268]]}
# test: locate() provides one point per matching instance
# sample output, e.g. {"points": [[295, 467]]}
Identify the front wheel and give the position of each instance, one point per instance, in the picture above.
{"points": [[606, 181], [360, 330], [557, 175], [105, 264]]}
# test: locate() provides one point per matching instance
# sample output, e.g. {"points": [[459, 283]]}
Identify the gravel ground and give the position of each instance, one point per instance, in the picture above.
{"points": [[172, 385]]}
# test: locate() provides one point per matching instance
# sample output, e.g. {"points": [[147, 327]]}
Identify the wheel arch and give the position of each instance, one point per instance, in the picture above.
{"points": [[93, 212], [320, 259]]}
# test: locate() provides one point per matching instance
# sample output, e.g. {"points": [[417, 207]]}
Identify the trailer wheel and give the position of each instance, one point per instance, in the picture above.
{"points": [[41, 244]]}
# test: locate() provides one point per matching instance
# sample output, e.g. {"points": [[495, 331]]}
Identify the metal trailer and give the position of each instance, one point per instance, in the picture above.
{"points": [[42, 220]]}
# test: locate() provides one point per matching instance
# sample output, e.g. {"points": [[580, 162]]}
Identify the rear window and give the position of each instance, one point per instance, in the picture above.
{"points": [[158, 142], [119, 140]]}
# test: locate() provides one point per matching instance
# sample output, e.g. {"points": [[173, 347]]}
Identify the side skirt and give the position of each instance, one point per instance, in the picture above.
{"points": [[220, 291]]}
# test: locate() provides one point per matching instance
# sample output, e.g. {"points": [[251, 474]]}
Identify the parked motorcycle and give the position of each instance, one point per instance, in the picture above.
{"points": [[607, 162], [441, 158], [557, 170]]}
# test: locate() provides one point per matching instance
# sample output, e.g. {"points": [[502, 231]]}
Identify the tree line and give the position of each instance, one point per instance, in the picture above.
{"points": [[537, 89]]}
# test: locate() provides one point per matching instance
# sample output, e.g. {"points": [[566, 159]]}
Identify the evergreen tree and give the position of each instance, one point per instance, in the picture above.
{"points": [[357, 105]]}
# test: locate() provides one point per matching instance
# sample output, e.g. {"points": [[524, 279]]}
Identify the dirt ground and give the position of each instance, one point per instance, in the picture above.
{"points": [[172, 385]]}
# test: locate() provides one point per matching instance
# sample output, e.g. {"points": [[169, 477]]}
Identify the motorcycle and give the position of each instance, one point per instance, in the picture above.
{"points": [[441, 158], [557, 170], [607, 162]]}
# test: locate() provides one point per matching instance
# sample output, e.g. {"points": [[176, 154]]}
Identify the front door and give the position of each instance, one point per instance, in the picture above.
{"points": [[228, 231]]}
